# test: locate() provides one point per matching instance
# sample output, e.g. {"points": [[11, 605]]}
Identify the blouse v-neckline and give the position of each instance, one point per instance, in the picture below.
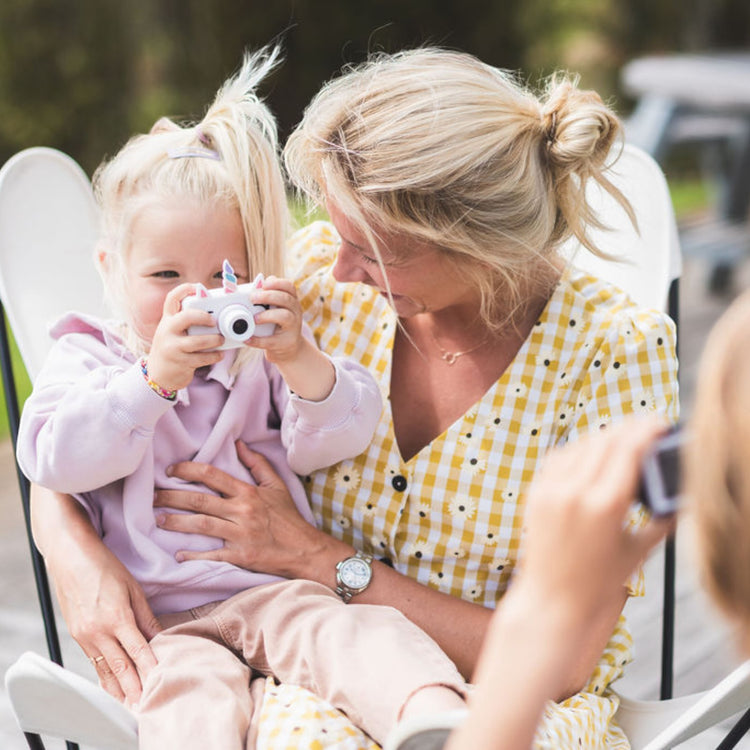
{"points": [[505, 378]]}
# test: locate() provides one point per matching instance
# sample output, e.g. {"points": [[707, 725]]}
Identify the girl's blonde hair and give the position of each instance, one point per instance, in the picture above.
{"points": [[717, 465], [442, 147], [237, 166]]}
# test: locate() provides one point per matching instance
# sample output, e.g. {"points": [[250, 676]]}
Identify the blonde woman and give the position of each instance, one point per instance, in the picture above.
{"points": [[450, 187]]}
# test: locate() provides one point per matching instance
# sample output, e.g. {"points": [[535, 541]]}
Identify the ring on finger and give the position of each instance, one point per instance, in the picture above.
{"points": [[96, 659]]}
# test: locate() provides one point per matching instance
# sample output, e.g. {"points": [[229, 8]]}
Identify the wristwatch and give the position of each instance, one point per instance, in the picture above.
{"points": [[353, 575]]}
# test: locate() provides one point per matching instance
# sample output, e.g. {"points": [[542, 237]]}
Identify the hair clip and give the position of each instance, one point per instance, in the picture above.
{"points": [[197, 152]]}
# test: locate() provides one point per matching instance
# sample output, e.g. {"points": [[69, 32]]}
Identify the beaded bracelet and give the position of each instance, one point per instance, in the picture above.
{"points": [[163, 392]]}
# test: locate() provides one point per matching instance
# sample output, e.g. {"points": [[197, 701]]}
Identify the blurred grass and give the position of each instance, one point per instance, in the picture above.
{"points": [[690, 196], [302, 214], [23, 386]]}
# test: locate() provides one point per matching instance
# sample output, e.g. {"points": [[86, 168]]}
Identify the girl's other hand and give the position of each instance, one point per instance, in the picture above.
{"points": [[307, 371], [285, 311]]}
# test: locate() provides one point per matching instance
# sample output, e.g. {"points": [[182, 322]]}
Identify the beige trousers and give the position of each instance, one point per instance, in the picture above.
{"points": [[365, 660]]}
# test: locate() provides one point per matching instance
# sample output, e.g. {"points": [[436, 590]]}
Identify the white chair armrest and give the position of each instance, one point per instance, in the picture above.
{"points": [[657, 725], [52, 701]]}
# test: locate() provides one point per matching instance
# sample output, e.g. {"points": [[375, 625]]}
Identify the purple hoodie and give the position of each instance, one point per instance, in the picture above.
{"points": [[94, 428]]}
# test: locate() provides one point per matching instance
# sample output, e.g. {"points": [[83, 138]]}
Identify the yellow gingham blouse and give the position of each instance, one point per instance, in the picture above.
{"points": [[451, 516]]}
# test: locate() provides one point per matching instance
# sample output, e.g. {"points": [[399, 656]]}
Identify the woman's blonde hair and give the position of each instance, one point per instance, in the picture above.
{"points": [[437, 145], [229, 158], [717, 465]]}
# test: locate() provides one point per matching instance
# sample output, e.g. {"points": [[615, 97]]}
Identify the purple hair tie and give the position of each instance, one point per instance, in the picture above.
{"points": [[203, 151]]}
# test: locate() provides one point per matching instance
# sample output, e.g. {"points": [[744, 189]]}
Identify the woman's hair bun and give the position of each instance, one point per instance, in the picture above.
{"points": [[578, 129]]}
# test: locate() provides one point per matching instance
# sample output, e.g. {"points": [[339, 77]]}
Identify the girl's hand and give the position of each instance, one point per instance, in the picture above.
{"points": [[260, 525], [306, 370], [286, 312], [174, 356]]}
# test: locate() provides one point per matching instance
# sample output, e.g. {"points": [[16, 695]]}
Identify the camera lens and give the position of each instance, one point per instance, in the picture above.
{"points": [[235, 323], [239, 327]]}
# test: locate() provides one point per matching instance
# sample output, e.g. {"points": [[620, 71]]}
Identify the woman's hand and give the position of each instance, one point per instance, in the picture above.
{"points": [[261, 527], [104, 607], [107, 614]]}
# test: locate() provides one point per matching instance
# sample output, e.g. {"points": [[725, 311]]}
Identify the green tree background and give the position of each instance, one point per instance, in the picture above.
{"points": [[83, 75]]}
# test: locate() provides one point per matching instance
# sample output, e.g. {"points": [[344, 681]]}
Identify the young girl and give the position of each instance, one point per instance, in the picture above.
{"points": [[118, 403]]}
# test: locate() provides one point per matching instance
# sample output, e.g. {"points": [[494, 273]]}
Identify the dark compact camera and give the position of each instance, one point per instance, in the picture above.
{"points": [[660, 488]]}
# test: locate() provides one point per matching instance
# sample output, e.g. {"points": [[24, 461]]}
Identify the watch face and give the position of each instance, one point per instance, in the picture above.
{"points": [[355, 574]]}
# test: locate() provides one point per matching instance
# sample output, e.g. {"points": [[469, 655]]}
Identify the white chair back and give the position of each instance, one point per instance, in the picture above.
{"points": [[659, 725], [56, 702], [648, 259], [48, 228]]}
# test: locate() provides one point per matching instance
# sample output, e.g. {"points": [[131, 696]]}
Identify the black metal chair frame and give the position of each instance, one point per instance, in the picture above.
{"points": [[40, 571]]}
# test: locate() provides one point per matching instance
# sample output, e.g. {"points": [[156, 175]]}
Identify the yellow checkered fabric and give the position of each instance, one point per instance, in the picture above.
{"points": [[451, 517], [294, 719]]}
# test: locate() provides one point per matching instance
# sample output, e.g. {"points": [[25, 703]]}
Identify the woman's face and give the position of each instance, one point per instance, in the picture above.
{"points": [[173, 242], [420, 277]]}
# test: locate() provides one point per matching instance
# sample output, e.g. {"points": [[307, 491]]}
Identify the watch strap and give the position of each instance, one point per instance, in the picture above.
{"points": [[344, 592]]}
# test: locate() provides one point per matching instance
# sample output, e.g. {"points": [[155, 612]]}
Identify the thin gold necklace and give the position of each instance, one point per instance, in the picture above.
{"points": [[451, 357]]}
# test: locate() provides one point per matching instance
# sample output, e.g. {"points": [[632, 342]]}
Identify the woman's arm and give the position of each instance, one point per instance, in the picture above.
{"points": [[263, 531], [104, 607]]}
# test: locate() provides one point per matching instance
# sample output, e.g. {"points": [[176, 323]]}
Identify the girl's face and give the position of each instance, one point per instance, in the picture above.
{"points": [[420, 276], [177, 241]]}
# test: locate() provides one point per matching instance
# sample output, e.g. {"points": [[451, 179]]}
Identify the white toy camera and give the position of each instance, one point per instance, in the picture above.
{"points": [[233, 313]]}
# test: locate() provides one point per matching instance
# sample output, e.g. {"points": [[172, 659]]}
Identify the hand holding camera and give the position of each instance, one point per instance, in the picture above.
{"points": [[660, 488], [232, 309], [214, 320], [230, 321]]}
